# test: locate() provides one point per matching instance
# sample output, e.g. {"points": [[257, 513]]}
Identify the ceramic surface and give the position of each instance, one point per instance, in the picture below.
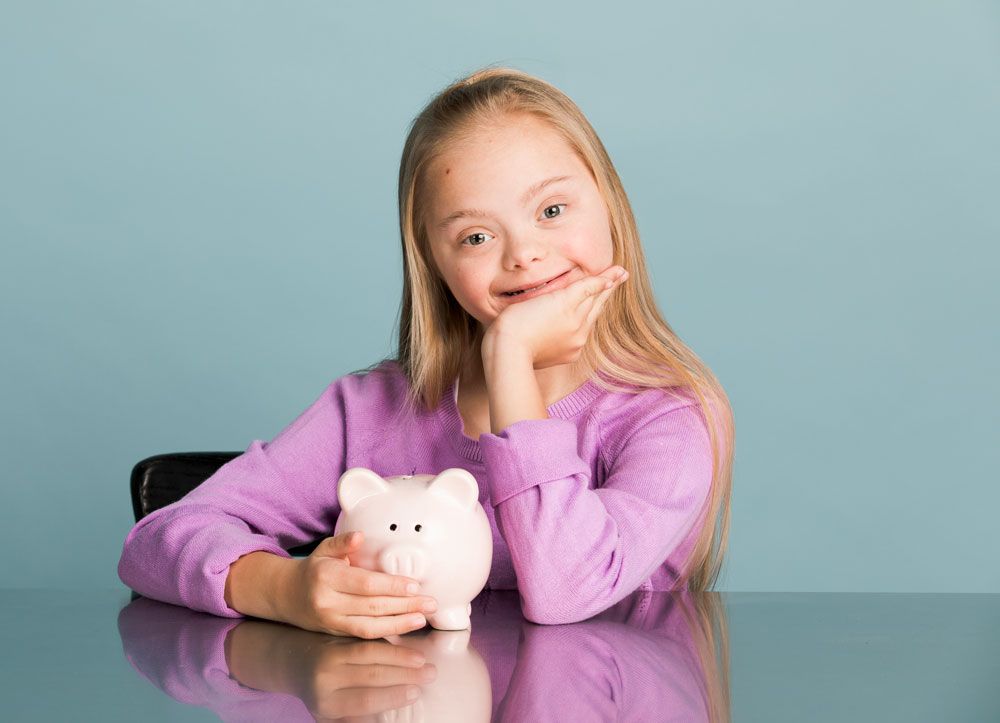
{"points": [[428, 527]]}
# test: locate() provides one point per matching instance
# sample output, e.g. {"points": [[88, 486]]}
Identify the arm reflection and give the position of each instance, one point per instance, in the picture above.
{"points": [[653, 654], [249, 669]]}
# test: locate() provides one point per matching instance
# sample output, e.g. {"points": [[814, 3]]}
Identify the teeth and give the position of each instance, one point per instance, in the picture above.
{"points": [[515, 293]]}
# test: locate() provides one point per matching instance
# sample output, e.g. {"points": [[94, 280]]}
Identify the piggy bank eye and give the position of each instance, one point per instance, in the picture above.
{"points": [[417, 528], [392, 526]]}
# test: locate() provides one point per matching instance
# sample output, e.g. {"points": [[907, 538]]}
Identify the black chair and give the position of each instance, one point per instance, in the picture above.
{"points": [[164, 478]]}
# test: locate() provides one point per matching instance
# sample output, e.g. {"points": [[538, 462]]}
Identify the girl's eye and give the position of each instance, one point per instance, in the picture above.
{"points": [[554, 205], [544, 213], [472, 235]]}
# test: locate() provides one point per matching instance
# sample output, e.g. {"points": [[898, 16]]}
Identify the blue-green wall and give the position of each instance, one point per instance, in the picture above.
{"points": [[194, 194]]}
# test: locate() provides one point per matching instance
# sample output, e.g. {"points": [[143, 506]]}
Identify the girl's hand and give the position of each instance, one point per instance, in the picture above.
{"points": [[553, 328], [335, 677], [327, 595], [361, 680]]}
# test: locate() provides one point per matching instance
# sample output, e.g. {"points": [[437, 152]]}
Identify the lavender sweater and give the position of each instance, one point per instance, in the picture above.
{"points": [[586, 507]]}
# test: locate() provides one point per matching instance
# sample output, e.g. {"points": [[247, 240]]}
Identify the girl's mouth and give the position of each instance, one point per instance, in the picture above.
{"points": [[536, 289]]}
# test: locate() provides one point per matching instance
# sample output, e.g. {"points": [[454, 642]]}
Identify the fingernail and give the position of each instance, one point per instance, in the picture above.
{"points": [[429, 606], [413, 588], [412, 692], [418, 620]]}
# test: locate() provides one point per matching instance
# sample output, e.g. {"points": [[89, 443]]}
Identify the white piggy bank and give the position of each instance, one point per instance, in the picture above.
{"points": [[461, 692], [431, 528]]}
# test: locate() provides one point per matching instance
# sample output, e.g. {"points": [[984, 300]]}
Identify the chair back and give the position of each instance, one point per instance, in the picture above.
{"points": [[162, 479]]}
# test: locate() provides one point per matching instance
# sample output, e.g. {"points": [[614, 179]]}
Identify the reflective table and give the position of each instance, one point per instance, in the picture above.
{"points": [[101, 655]]}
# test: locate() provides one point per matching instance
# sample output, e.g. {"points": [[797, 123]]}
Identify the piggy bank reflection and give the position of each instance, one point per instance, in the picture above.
{"points": [[428, 527]]}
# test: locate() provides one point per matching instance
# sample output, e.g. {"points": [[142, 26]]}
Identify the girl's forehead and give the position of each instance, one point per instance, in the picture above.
{"points": [[503, 140], [517, 123], [511, 161]]}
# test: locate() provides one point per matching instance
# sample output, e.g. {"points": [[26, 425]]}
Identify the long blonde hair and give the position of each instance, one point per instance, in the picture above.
{"points": [[631, 347]]}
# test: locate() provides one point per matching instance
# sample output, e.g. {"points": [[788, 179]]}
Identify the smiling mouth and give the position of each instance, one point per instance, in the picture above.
{"points": [[533, 288]]}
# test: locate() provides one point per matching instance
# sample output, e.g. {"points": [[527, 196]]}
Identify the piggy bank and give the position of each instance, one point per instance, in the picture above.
{"points": [[428, 527], [461, 692]]}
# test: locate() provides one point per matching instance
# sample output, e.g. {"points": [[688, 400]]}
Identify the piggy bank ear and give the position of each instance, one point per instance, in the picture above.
{"points": [[457, 485], [356, 484]]}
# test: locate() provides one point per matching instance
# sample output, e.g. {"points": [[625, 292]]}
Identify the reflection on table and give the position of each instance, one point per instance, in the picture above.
{"points": [[654, 653]]}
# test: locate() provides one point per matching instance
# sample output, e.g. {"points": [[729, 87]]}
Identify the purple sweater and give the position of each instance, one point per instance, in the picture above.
{"points": [[586, 506]]}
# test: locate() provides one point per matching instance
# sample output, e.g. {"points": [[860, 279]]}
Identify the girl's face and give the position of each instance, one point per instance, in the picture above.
{"points": [[492, 226]]}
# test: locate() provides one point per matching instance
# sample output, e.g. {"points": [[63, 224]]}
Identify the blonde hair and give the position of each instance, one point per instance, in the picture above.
{"points": [[705, 616], [630, 348]]}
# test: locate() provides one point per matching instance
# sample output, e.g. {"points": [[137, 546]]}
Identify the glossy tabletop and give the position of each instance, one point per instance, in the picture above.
{"points": [[99, 655]]}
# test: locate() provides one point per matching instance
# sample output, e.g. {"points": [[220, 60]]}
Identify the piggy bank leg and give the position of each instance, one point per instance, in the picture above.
{"points": [[455, 617]]}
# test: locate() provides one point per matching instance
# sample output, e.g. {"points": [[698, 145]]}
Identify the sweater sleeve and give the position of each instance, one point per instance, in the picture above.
{"points": [[577, 551], [275, 495]]}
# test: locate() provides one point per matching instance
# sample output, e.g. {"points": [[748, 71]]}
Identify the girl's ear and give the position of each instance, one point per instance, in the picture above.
{"points": [[357, 484]]}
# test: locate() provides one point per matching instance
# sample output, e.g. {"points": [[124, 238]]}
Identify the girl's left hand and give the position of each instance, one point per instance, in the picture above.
{"points": [[553, 328]]}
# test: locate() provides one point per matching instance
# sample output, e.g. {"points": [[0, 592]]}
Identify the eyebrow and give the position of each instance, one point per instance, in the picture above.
{"points": [[478, 212]]}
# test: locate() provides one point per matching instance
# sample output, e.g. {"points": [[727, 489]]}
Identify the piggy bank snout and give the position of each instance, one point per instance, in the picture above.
{"points": [[408, 560]]}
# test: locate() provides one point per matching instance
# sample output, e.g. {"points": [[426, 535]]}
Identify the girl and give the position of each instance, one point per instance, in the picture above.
{"points": [[531, 353]]}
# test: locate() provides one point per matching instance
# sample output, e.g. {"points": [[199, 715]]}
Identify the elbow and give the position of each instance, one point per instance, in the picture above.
{"points": [[122, 570], [129, 567], [130, 572], [556, 606], [560, 601], [539, 613], [548, 617], [125, 567]]}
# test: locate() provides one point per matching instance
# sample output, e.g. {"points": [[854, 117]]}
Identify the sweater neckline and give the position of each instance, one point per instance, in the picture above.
{"points": [[565, 408]]}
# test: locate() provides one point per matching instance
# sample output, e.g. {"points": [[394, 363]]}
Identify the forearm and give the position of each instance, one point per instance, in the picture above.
{"points": [[513, 389], [256, 584], [265, 656]]}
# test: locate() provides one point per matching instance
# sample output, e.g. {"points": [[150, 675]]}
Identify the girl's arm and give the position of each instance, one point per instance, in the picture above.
{"points": [[511, 384], [577, 551], [275, 495]]}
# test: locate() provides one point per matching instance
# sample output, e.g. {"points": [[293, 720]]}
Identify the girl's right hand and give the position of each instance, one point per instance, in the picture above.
{"points": [[326, 594], [553, 328]]}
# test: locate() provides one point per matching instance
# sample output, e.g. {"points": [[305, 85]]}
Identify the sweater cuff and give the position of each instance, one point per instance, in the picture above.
{"points": [[213, 597], [528, 453]]}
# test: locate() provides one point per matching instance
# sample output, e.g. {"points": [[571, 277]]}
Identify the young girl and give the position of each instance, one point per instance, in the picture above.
{"points": [[531, 353]]}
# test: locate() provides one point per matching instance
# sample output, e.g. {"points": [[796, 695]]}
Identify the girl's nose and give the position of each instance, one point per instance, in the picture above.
{"points": [[524, 250]]}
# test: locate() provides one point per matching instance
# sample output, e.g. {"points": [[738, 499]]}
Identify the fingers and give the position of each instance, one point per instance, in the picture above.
{"points": [[368, 652], [369, 626], [618, 278], [598, 298], [339, 545], [358, 581], [344, 599], [367, 703], [601, 297], [591, 287], [598, 305], [368, 675], [379, 605]]}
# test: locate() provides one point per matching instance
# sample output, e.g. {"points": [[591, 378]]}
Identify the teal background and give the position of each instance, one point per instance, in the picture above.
{"points": [[199, 233]]}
